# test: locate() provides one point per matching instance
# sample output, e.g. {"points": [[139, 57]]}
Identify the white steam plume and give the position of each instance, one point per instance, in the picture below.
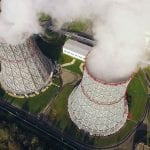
{"points": [[119, 27], [18, 20], [121, 39]]}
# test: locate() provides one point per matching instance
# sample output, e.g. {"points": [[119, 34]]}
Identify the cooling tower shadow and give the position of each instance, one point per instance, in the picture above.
{"points": [[141, 134], [50, 49], [25, 106], [2, 93]]}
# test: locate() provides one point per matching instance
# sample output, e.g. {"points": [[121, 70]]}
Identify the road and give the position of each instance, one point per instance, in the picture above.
{"points": [[45, 129]]}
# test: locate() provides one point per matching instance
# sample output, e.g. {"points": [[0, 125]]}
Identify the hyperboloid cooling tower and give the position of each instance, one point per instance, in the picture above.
{"points": [[24, 69], [98, 107]]}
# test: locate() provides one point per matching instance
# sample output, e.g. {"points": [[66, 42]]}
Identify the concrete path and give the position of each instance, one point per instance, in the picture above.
{"points": [[81, 67], [68, 64], [69, 77]]}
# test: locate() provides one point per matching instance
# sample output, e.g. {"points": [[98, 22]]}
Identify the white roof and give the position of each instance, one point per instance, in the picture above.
{"points": [[77, 47]]}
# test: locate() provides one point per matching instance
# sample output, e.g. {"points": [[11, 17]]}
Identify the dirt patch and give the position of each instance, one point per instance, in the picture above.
{"points": [[69, 77]]}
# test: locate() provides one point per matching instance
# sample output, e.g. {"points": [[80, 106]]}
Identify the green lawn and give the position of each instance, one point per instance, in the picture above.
{"points": [[75, 67], [137, 91], [57, 81], [65, 59], [34, 104], [59, 114], [79, 25], [148, 134], [44, 17]]}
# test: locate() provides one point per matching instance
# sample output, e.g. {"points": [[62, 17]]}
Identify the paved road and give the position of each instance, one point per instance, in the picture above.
{"points": [[45, 129]]}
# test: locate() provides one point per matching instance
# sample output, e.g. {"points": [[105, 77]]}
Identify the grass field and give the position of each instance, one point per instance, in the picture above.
{"points": [[65, 59], [59, 115], [149, 117], [137, 91], [79, 25], [74, 67], [59, 112], [4, 135], [33, 104]]}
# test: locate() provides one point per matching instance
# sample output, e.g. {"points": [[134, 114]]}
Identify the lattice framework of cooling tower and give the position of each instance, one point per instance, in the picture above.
{"points": [[98, 107], [24, 69]]}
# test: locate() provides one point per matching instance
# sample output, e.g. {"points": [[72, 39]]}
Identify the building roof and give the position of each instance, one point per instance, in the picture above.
{"points": [[77, 47]]}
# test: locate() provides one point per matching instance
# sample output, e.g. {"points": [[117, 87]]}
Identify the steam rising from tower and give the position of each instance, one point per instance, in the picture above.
{"points": [[97, 106], [18, 20], [119, 28]]}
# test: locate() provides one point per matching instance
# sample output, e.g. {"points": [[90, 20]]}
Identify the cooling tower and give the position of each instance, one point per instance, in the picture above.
{"points": [[98, 107], [24, 69]]}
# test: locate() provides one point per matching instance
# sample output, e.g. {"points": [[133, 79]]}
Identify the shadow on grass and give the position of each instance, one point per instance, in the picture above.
{"points": [[141, 134], [25, 105], [2, 93]]}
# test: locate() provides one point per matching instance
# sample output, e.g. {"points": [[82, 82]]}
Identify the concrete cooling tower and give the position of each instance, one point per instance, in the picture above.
{"points": [[98, 107], [24, 69]]}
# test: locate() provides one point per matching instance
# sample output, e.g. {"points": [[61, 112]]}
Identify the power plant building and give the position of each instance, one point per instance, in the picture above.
{"points": [[24, 69], [98, 107], [76, 49]]}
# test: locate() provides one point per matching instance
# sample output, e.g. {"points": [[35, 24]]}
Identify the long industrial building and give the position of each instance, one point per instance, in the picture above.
{"points": [[76, 49]]}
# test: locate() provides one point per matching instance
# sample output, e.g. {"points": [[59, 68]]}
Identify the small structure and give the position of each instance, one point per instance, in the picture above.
{"points": [[76, 49]]}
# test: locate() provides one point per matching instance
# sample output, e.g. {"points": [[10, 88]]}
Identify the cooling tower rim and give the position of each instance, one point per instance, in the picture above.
{"points": [[2, 40], [29, 42], [106, 82]]}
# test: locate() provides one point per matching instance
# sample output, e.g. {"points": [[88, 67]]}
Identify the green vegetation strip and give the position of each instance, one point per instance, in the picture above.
{"points": [[75, 67], [59, 112], [149, 117], [137, 90], [79, 26], [34, 104], [65, 59], [59, 116]]}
